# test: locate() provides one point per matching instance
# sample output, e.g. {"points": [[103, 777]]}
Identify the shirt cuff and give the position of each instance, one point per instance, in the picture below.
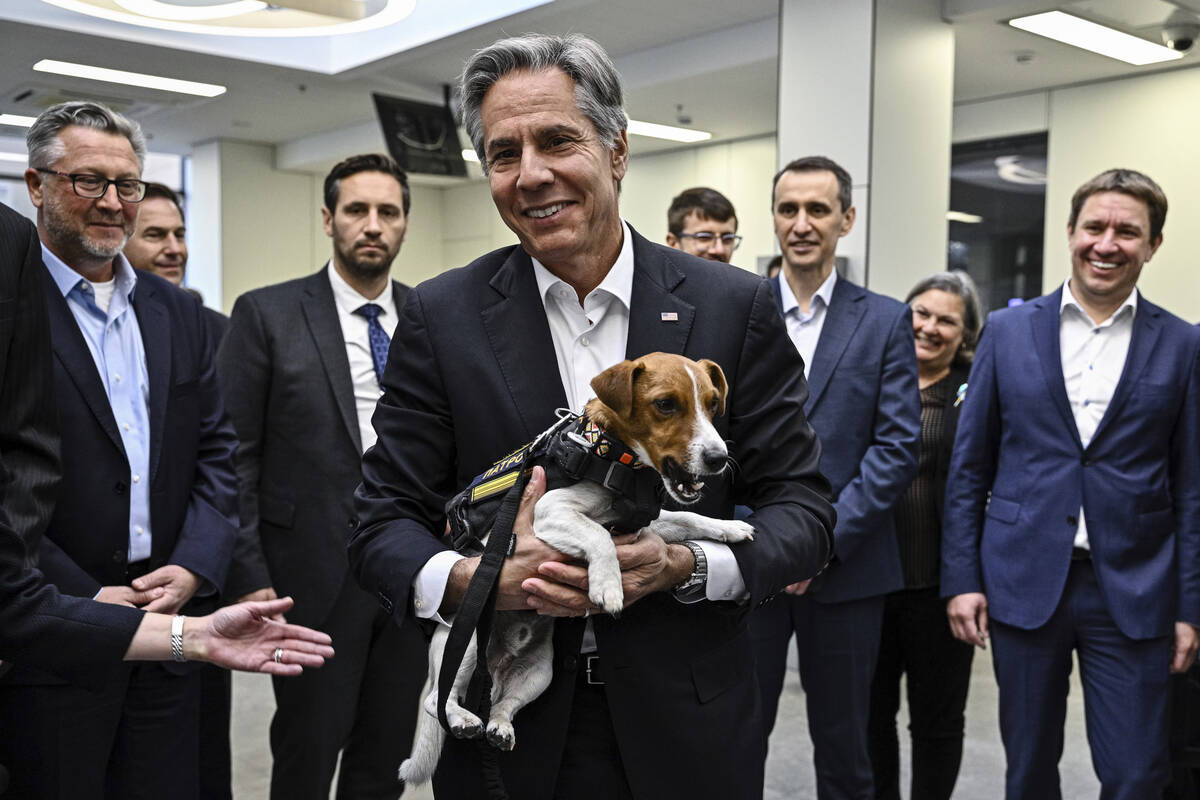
{"points": [[725, 580], [429, 586]]}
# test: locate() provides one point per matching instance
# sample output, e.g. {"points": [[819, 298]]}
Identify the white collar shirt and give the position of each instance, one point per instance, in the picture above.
{"points": [[805, 329], [1093, 357], [358, 346], [588, 338]]}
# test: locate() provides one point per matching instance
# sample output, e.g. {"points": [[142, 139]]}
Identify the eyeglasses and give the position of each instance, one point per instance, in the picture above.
{"points": [[95, 186], [731, 240]]}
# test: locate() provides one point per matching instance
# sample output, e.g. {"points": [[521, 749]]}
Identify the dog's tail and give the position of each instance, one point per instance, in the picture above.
{"points": [[419, 766]]}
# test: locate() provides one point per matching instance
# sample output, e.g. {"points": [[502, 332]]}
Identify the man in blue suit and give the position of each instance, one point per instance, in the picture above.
{"points": [[864, 403], [1073, 505], [148, 496]]}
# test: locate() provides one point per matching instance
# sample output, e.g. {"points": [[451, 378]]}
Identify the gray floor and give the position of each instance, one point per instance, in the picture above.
{"points": [[789, 766]]}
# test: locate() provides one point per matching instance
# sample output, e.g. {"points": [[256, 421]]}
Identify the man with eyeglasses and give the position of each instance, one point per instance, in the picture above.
{"points": [[148, 497], [701, 221]]}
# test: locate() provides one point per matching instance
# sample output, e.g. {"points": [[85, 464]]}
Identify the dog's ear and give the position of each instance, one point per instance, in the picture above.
{"points": [[614, 386], [717, 376]]}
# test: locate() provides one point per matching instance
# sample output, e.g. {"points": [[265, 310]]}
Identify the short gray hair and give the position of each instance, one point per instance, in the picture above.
{"points": [[957, 283], [597, 84], [45, 146]]}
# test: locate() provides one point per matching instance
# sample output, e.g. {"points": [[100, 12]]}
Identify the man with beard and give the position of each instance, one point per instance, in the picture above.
{"points": [[148, 495], [301, 366], [159, 245]]}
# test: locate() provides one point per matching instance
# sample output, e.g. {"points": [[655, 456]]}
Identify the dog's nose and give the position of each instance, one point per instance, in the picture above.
{"points": [[714, 459]]}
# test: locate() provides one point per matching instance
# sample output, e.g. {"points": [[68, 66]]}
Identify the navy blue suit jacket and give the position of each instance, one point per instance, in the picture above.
{"points": [[193, 494], [472, 375], [865, 404], [1138, 480]]}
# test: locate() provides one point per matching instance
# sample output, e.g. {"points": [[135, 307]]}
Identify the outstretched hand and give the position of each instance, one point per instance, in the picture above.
{"points": [[245, 637]]}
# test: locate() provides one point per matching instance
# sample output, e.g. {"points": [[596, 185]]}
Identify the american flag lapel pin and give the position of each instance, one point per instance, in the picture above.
{"points": [[669, 316]]}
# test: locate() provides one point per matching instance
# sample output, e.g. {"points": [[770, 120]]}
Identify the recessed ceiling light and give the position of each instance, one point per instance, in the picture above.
{"points": [[161, 10], [657, 131], [962, 216], [1101, 39], [392, 12], [470, 155], [13, 157], [128, 78], [17, 120]]}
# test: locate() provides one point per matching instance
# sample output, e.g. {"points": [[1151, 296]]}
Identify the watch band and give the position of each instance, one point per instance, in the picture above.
{"points": [[694, 587], [177, 638]]}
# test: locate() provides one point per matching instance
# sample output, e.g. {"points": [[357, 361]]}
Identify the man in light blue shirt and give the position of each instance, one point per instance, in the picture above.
{"points": [[147, 499]]}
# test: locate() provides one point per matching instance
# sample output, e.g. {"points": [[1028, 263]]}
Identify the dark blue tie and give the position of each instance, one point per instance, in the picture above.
{"points": [[380, 341]]}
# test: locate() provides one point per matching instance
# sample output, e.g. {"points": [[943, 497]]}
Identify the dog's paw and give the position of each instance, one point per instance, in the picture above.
{"points": [[464, 724], [501, 735], [606, 592], [410, 774], [734, 530]]}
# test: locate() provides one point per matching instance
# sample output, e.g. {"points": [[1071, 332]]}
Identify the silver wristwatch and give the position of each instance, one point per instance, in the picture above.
{"points": [[693, 588]]}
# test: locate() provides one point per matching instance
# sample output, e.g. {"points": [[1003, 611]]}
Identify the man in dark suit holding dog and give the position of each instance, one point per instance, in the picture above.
{"points": [[666, 704], [301, 365], [1073, 504], [147, 498], [864, 402]]}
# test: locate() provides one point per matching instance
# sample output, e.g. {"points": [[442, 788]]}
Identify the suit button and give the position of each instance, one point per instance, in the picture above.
{"points": [[1073, 521], [1085, 461], [352, 523], [118, 556], [386, 602], [570, 663], [119, 488]]}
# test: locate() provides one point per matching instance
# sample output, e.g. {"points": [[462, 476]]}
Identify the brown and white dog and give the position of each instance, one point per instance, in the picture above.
{"points": [[661, 407]]}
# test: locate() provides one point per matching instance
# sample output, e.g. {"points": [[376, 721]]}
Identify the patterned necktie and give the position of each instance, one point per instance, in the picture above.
{"points": [[380, 341]]}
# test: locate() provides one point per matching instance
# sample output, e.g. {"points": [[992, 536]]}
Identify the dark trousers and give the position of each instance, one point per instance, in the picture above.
{"points": [[591, 767], [837, 645], [216, 774], [363, 702], [1124, 693], [133, 740], [916, 640]]}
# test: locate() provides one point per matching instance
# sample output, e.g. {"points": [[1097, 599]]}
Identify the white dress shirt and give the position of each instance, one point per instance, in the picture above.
{"points": [[1093, 357], [358, 345], [805, 329], [588, 339]]}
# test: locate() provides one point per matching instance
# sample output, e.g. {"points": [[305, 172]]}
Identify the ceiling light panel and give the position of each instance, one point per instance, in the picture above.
{"points": [[124, 78], [670, 132], [160, 10], [17, 120], [1088, 35]]}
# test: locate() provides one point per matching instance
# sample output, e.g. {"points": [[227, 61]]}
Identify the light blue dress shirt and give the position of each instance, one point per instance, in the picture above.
{"points": [[115, 342]]}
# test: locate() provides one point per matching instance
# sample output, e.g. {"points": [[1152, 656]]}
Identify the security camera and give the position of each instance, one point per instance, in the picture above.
{"points": [[1181, 31]]}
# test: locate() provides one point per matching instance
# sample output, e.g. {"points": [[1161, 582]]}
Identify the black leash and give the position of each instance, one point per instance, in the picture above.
{"points": [[475, 615]]}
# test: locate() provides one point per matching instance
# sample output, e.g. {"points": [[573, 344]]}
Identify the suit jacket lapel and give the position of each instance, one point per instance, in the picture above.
{"points": [[155, 323], [72, 352], [1143, 339], [651, 326], [321, 317], [519, 335], [845, 311], [1045, 322]]}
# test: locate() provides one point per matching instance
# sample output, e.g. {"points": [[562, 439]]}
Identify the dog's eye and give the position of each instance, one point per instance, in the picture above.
{"points": [[666, 405]]}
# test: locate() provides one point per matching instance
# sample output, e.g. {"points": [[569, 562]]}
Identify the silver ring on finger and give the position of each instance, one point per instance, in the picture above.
{"points": [[278, 655]]}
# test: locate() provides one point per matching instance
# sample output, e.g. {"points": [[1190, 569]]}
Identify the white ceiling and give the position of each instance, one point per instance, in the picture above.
{"points": [[717, 60]]}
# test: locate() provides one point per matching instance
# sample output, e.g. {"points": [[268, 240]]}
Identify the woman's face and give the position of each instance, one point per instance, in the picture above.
{"points": [[937, 328]]}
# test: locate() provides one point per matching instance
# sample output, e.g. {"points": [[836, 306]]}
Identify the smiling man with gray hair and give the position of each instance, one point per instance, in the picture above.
{"points": [[482, 358], [147, 501]]}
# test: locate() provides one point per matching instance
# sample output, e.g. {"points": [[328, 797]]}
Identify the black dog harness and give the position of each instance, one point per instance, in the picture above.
{"points": [[571, 450], [574, 449]]}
